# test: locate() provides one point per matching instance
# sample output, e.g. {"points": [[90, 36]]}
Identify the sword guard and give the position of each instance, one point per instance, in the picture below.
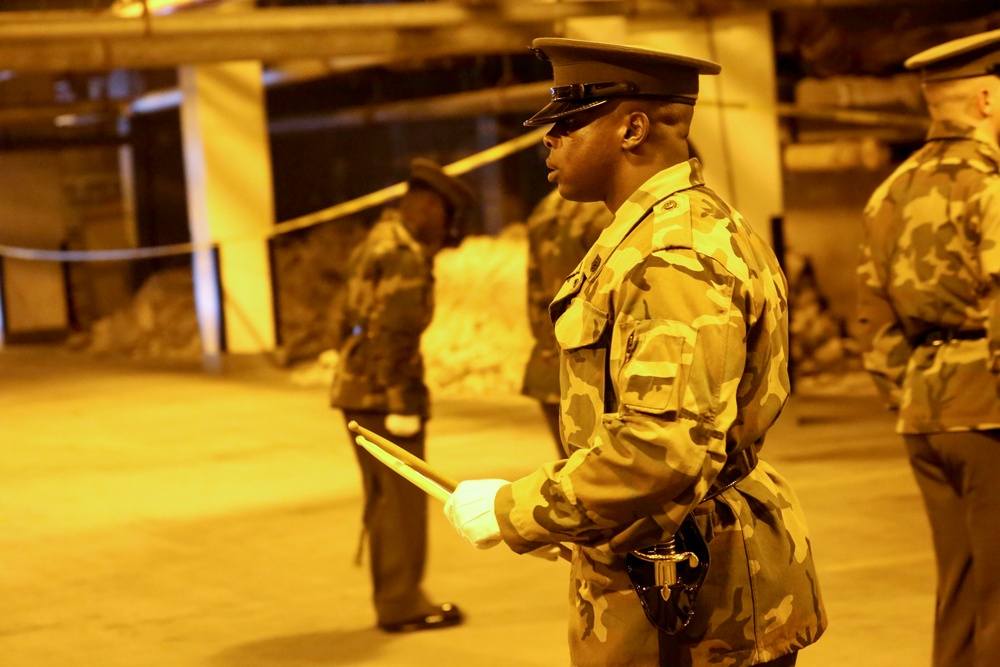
{"points": [[665, 558]]}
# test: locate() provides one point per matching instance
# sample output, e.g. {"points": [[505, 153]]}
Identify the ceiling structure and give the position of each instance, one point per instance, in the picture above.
{"points": [[71, 70]]}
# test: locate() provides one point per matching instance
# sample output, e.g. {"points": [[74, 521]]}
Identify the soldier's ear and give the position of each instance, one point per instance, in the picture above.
{"points": [[636, 130], [988, 99], [992, 100]]}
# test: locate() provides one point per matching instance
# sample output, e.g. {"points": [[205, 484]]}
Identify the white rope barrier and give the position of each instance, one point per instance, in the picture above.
{"points": [[341, 210]]}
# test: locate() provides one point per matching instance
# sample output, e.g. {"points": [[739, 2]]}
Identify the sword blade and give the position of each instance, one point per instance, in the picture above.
{"points": [[415, 462], [428, 486]]}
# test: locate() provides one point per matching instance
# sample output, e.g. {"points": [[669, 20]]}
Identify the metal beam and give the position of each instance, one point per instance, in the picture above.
{"points": [[83, 41], [521, 98]]}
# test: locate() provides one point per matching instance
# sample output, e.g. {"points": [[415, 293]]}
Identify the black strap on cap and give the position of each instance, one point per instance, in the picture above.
{"points": [[582, 92], [590, 91]]}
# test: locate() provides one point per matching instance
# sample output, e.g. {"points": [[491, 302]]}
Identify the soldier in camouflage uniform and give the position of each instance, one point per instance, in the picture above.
{"points": [[379, 383], [674, 340], [559, 234], [930, 326]]}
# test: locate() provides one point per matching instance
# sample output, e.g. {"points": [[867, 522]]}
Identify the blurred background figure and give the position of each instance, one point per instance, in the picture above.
{"points": [[560, 233], [930, 322], [379, 383]]}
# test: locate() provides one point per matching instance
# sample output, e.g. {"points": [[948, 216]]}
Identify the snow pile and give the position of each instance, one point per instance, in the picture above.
{"points": [[480, 339], [160, 323], [477, 344]]}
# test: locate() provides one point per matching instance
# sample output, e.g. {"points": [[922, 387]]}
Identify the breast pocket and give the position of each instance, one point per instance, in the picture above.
{"points": [[655, 364], [580, 332]]}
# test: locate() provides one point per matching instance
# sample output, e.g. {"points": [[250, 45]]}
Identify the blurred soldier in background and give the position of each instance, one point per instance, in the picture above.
{"points": [[930, 314], [560, 233], [673, 334], [379, 382]]}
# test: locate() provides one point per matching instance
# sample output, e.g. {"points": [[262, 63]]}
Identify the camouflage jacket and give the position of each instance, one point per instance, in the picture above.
{"points": [[674, 339], [559, 234], [930, 260], [390, 301]]}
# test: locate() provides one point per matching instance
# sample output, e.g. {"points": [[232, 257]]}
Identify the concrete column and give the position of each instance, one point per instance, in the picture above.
{"points": [[735, 126], [227, 167]]}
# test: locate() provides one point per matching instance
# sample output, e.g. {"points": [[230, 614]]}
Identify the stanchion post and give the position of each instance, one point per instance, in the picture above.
{"points": [[208, 306]]}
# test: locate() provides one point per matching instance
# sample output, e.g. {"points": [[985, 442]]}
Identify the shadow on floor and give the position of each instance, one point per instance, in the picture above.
{"points": [[335, 647]]}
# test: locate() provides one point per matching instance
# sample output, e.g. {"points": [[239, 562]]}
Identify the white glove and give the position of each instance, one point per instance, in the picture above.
{"points": [[470, 510], [402, 426]]}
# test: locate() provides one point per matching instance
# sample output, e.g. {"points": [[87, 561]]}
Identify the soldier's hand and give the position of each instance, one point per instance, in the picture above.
{"points": [[470, 510], [403, 426]]}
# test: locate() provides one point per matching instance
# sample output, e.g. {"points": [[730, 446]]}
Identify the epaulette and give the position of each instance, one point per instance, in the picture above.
{"points": [[671, 224]]}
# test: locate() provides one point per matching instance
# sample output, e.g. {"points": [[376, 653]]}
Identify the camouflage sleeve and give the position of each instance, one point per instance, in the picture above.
{"points": [[885, 349], [677, 356], [989, 258], [401, 310]]}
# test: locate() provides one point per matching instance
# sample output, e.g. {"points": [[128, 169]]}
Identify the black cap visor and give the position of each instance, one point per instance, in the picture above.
{"points": [[554, 111]]}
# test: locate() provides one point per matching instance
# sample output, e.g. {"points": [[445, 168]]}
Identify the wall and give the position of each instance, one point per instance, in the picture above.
{"points": [[33, 213], [823, 222]]}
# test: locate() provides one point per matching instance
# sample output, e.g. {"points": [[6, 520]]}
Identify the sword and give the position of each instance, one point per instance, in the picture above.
{"points": [[425, 484], [417, 471], [414, 462]]}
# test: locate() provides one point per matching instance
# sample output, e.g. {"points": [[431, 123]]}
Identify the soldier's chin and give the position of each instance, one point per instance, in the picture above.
{"points": [[569, 195]]}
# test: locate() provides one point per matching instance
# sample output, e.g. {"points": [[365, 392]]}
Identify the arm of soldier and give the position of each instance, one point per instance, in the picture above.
{"points": [[403, 309], [677, 356], [885, 349], [989, 257]]}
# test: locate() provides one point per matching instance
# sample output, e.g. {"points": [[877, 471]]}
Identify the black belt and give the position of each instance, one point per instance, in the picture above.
{"points": [[941, 336], [736, 469]]}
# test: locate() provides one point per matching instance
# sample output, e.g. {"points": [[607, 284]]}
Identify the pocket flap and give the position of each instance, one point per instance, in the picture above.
{"points": [[580, 325], [658, 356]]}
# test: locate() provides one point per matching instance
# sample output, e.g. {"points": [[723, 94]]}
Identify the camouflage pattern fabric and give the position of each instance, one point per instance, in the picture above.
{"points": [[674, 339], [930, 260], [390, 301], [559, 234]]}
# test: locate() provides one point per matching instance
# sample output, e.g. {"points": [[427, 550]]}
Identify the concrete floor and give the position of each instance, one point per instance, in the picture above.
{"points": [[162, 517]]}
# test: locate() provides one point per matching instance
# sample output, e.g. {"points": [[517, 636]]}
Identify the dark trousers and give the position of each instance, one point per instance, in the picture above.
{"points": [[957, 476], [395, 518]]}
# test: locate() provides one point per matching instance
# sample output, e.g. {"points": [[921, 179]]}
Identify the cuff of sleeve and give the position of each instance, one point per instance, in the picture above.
{"points": [[503, 506]]}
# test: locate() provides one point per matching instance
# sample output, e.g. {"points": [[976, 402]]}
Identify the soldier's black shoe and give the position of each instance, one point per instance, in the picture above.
{"points": [[445, 616]]}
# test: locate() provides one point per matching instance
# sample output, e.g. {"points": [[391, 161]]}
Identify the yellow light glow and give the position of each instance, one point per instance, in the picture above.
{"points": [[133, 8]]}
